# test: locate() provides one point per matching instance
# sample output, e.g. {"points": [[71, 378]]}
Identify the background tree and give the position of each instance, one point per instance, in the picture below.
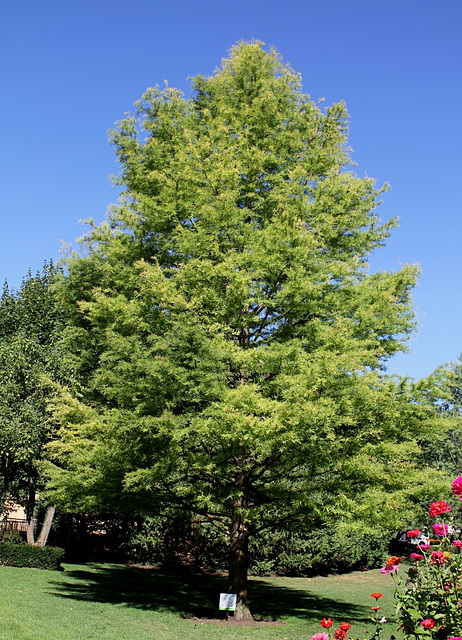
{"points": [[228, 335], [30, 323], [443, 388]]}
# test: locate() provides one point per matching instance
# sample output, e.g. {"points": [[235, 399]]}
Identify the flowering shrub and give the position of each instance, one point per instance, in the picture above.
{"points": [[429, 601]]}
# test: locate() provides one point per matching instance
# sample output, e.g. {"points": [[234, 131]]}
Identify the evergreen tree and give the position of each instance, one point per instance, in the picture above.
{"points": [[229, 337]]}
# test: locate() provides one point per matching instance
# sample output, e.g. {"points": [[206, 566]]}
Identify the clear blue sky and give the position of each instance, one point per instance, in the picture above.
{"points": [[69, 70]]}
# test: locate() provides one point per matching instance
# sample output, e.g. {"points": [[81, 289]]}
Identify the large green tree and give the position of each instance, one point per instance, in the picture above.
{"points": [[30, 359], [228, 335]]}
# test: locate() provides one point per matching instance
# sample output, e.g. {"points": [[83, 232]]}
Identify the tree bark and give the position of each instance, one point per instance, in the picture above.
{"points": [[239, 558], [30, 508], [30, 531], [238, 567], [46, 526], [45, 530]]}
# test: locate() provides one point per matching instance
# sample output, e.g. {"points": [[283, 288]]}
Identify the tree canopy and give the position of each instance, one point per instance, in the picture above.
{"points": [[30, 323], [443, 388], [229, 337]]}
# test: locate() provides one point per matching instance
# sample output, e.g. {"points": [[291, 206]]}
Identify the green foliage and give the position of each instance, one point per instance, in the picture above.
{"points": [[94, 538], [319, 553], [30, 322], [26, 555], [227, 333], [175, 539], [11, 535], [444, 389], [170, 541]]}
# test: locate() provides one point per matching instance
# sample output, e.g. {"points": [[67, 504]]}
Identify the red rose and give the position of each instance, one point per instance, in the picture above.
{"points": [[413, 533], [345, 626]]}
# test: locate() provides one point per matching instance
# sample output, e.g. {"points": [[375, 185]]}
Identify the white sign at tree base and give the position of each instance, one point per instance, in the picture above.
{"points": [[228, 601]]}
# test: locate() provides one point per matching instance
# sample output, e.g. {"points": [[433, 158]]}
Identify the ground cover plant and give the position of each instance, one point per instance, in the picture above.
{"points": [[103, 602]]}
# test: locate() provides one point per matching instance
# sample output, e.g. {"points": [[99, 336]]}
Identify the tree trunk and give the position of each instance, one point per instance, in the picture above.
{"points": [[238, 566], [46, 526], [30, 508], [45, 530], [30, 531]]}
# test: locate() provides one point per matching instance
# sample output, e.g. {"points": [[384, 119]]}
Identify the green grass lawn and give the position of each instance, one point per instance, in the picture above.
{"points": [[114, 602]]}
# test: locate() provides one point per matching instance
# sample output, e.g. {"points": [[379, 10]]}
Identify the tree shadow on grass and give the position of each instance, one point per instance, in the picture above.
{"points": [[276, 601], [191, 594], [150, 588]]}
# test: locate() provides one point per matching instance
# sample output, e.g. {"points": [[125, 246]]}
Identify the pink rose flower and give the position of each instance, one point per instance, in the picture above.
{"points": [[457, 544], [438, 508], [424, 547], [440, 529], [320, 636], [457, 487], [417, 556]]}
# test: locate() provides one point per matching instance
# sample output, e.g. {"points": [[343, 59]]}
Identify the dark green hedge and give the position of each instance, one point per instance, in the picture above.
{"points": [[164, 541], [25, 555], [315, 553]]}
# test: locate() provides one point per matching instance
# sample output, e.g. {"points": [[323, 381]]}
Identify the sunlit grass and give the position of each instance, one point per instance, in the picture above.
{"points": [[113, 602]]}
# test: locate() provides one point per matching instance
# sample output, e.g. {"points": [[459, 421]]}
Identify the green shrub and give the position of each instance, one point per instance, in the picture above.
{"points": [[317, 553], [25, 555], [11, 535], [175, 539], [179, 539]]}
